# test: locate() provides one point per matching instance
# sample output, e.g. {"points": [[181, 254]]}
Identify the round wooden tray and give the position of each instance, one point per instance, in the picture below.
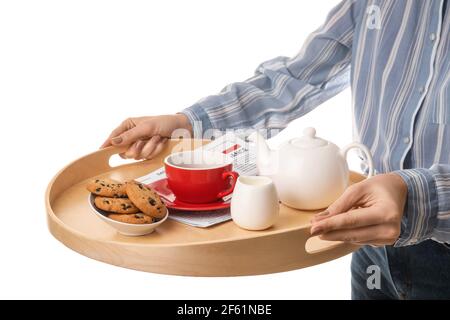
{"points": [[175, 248]]}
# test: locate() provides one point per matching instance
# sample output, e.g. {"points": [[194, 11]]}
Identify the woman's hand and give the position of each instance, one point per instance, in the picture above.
{"points": [[368, 213], [145, 136]]}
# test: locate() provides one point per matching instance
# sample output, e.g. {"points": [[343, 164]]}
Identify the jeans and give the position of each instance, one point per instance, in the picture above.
{"points": [[419, 271]]}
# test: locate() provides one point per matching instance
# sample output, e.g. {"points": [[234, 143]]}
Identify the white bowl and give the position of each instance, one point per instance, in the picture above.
{"points": [[127, 229]]}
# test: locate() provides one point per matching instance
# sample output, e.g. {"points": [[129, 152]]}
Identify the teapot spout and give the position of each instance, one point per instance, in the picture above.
{"points": [[265, 157]]}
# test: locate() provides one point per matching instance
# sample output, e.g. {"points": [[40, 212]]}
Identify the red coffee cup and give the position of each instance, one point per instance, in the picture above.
{"points": [[200, 176]]}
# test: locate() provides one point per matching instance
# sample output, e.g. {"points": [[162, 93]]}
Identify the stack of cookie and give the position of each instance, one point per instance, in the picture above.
{"points": [[129, 202]]}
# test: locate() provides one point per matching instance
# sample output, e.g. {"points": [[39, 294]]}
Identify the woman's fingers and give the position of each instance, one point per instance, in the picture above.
{"points": [[124, 126], [149, 147], [349, 220], [375, 235], [130, 131], [321, 216], [105, 144], [108, 142], [114, 133], [134, 150], [348, 200], [145, 149], [158, 149], [132, 135]]}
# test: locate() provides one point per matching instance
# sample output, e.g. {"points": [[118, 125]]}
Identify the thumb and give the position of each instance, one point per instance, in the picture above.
{"points": [[130, 136], [348, 200]]}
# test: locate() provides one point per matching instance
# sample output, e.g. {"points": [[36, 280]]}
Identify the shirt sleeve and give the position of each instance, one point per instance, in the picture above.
{"points": [[427, 210], [284, 89]]}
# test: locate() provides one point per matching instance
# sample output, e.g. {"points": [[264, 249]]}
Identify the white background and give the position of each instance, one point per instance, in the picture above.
{"points": [[70, 71]]}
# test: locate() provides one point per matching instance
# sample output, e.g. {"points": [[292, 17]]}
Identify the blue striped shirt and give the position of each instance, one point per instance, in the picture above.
{"points": [[395, 56]]}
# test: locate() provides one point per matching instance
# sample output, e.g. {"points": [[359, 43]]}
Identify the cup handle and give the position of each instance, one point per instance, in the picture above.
{"points": [[366, 152], [226, 175]]}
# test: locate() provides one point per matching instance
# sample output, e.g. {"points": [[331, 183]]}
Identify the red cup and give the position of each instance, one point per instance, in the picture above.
{"points": [[200, 177]]}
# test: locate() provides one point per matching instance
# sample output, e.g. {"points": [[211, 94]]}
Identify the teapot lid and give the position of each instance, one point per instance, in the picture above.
{"points": [[308, 140]]}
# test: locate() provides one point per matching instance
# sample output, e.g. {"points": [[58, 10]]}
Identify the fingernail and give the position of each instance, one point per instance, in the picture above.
{"points": [[316, 231], [323, 213], [117, 140]]}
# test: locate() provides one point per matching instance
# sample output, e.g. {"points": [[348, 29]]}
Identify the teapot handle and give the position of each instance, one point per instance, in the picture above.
{"points": [[366, 152]]}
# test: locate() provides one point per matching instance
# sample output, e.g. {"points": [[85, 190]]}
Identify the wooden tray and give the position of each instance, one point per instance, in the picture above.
{"points": [[174, 248]]}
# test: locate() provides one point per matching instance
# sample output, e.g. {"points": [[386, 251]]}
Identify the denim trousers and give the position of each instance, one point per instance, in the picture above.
{"points": [[420, 271]]}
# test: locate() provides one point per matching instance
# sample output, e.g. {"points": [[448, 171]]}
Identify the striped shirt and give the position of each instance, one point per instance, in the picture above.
{"points": [[395, 55]]}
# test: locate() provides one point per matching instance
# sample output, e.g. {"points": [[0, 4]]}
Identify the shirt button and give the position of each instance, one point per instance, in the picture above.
{"points": [[406, 140], [433, 36], [422, 89]]}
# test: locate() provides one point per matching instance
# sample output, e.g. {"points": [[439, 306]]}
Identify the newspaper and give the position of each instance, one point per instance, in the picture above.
{"points": [[244, 163]]}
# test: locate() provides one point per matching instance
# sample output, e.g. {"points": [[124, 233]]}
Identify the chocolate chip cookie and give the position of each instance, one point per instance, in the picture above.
{"points": [[147, 200], [107, 188], [136, 218], [115, 205]]}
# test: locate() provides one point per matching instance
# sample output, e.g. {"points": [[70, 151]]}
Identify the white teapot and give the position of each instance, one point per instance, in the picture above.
{"points": [[309, 173]]}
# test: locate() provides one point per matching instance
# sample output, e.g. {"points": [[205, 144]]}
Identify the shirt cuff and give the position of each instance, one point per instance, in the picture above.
{"points": [[420, 215], [199, 120]]}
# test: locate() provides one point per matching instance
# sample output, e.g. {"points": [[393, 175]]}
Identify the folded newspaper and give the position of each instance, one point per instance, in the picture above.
{"points": [[244, 163]]}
